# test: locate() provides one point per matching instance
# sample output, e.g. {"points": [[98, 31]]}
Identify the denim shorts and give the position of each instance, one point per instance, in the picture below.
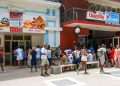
{"points": [[77, 61]]}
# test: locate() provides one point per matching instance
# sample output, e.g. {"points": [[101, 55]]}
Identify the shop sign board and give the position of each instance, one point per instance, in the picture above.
{"points": [[97, 15], [112, 18], [33, 23]]}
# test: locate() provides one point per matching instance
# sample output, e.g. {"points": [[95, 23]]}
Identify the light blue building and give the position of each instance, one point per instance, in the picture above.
{"points": [[18, 25]]}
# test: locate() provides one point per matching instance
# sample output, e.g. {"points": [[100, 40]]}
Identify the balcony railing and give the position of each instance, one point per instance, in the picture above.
{"points": [[75, 14]]}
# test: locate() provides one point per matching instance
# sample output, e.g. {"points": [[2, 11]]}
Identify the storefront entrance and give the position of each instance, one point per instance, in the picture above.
{"points": [[116, 41], [11, 43]]}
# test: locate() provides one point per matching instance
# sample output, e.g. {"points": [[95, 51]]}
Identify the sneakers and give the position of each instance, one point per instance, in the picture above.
{"points": [[102, 72], [42, 74], [46, 74], [85, 72]]}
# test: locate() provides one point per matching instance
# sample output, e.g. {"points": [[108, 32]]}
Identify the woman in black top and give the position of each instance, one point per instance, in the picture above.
{"points": [[33, 60]]}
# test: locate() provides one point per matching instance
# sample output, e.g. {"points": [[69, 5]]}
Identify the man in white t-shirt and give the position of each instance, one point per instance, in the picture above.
{"points": [[38, 55], [19, 54], [44, 61]]}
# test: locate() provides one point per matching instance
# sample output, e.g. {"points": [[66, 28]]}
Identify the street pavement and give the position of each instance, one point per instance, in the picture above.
{"points": [[23, 77]]}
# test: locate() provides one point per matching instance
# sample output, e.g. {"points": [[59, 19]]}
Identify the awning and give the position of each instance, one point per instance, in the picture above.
{"points": [[92, 25]]}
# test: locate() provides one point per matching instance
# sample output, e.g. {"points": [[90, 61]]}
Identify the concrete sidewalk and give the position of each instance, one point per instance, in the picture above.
{"points": [[94, 78]]}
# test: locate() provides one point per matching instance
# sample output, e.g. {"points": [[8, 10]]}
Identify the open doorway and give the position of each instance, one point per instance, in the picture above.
{"points": [[11, 43]]}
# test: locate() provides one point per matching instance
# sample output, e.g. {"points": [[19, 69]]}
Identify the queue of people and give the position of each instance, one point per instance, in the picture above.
{"points": [[78, 56], [107, 57], [35, 57], [41, 57]]}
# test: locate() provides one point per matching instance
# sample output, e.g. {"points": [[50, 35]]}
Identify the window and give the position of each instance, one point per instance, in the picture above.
{"points": [[51, 24], [48, 12], [53, 12]]}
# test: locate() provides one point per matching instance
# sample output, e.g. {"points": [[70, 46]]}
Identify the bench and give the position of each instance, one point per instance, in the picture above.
{"points": [[72, 66], [93, 62]]}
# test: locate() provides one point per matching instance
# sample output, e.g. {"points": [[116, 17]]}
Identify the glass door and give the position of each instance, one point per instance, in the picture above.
{"points": [[21, 44], [11, 43], [14, 46], [27, 44], [116, 41], [8, 60]]}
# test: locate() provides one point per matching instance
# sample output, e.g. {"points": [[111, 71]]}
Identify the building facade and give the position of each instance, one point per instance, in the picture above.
{"points": [[28, 23], [98, 22]]}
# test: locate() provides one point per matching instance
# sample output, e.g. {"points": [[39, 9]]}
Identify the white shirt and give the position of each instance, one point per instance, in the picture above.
{"points": [[19, 52], [103, 49], [37, 53], [43, 53], [49, 53]]}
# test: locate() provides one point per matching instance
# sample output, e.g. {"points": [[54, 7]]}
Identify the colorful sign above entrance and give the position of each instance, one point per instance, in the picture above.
{"points": [[33, 24], [112, 18], [28, 22], [97, 15], [107, 17]]}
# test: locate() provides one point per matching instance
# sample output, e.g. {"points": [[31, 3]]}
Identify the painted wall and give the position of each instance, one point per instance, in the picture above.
{"points": [[51, 16], [68, 37], [75, 3], [52, 34]]}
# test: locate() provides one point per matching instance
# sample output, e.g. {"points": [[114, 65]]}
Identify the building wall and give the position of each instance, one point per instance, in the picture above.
{"points": [[68, 37], [52, 20], [52, 35], [75, 3], [37, 39]]}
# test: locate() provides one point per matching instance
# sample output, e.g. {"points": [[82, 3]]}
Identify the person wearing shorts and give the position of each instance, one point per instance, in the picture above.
{"points": [[77, 58], [84, 55], [44, 62], [101, 55]]}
